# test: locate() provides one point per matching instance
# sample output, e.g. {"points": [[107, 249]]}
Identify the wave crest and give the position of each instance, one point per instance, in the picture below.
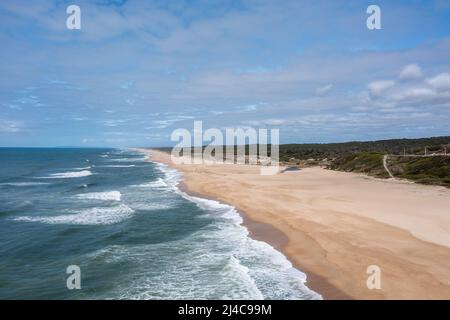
{"points": [[107, 195], [69, 174], [93, 216]]}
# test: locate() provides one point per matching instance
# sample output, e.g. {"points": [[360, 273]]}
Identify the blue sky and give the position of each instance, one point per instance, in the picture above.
{"points": [[137, 70]]}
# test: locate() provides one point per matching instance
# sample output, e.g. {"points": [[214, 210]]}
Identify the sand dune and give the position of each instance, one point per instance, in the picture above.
{"points": [[333, 225]]}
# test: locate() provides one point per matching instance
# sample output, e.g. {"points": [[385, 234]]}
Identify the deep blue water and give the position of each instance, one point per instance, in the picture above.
{"points": [[134, 235]]}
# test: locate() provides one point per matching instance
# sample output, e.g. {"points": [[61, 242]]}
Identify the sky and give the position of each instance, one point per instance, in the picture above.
{"points": [[138, 70]]}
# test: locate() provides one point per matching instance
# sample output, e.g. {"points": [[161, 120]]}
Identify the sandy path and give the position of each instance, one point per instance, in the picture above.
{"points": [[385, 157]]}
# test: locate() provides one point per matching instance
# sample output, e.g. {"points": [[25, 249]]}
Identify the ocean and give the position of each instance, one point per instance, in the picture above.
{"points": [[134, 235]]}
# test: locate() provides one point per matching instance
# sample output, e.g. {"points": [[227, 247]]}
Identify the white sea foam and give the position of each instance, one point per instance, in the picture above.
{"points": [[23, 184], [130, 159], [159, 183], [151, 206], [69, 174], [227, 211], [170, 180], [92, 216], [219, 261], [171, 176], [268, 273], [119, 166], [108, 195]]}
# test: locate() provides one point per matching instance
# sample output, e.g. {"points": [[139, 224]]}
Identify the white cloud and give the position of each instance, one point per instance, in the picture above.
{"points": [[114, 122], [376, 88], [265, 122], [441, 82], [409, 96], [7, 126], [126, 85], [324, 90], [164, 123], [274, 122], [411, 72], [210, 52], [130, 101], [414, 94], [250, 107], [11, 106]]}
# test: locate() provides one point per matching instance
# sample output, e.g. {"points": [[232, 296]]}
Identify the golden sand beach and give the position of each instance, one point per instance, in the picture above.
{"points": [[333, 225]]}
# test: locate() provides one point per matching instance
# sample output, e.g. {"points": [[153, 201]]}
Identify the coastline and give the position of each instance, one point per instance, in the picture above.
{"points": [[269, 234], [334, 247], [258, 231]]}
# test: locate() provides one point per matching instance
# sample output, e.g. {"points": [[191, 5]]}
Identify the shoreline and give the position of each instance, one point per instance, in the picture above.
{"points": [[269, 234], [332, 225]]}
